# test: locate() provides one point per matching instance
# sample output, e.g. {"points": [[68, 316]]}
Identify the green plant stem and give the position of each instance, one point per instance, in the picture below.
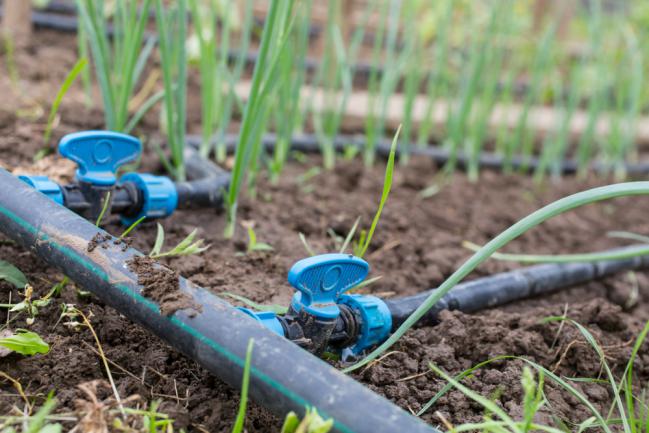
{"points": [[621, 254], [241, 414]]}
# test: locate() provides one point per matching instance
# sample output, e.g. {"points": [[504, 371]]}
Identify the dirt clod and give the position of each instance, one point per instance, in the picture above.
{"points": [[160, 284], [99, 240]]}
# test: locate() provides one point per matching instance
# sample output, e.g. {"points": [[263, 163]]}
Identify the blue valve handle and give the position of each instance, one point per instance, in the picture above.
{"points": [[321, 280], [99, 154]]}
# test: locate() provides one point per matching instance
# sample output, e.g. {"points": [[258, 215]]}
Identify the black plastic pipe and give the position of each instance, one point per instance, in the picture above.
{"points": [[206, 185], [510, 286], [283, 376], [309, 143]]}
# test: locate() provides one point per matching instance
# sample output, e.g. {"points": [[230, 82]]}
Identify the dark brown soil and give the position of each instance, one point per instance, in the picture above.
{"points": [[160, 284], [417, 245]]}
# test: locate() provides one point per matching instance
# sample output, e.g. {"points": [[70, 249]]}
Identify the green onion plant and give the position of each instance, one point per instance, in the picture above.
{"points": [[119, 60], [274, 39], [172, 30]]}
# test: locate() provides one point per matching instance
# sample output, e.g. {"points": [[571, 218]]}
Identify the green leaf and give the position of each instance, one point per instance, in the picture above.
{"points": [[186, 247], [253, 245], [387, 185], [291, 423], [159, 241], [25, 342], [261, 246], [12, 275]]}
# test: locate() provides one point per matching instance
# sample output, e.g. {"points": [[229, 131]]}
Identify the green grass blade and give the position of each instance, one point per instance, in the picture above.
{"points": [[387, 186], [243, 405]]}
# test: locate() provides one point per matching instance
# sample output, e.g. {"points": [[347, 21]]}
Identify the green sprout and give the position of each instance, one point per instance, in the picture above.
{"points": [[253, 245], [366, 239], [186, 247], [79, 67]]}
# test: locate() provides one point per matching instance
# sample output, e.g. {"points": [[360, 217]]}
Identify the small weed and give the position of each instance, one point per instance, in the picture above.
{"points": [[29, 305], [152, 420], [131, 227], [366, 237], [37, 423], [311, 423], [25, 342], [187, 246], [253, 245]]}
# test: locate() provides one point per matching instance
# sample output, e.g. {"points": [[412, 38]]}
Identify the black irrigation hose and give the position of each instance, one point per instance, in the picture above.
{"points": [[206, 185], [309, 143], [283, 376], [503, 288]]}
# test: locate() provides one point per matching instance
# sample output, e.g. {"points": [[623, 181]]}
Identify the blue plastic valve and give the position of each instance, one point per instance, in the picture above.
{"points": [[321, 280], [99, 154], [45, 186]]}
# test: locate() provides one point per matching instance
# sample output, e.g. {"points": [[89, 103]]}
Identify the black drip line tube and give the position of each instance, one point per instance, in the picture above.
{"points": [[510, 286], [283, 376], [309, 143]]}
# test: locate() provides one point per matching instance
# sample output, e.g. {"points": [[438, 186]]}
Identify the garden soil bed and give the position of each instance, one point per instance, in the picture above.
{"points": [[417, 245]]}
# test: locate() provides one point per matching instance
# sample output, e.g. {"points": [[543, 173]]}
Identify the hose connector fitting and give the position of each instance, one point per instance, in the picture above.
{"points": [[44, 185], [375, 320], [265, 318], [158, 196]]}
